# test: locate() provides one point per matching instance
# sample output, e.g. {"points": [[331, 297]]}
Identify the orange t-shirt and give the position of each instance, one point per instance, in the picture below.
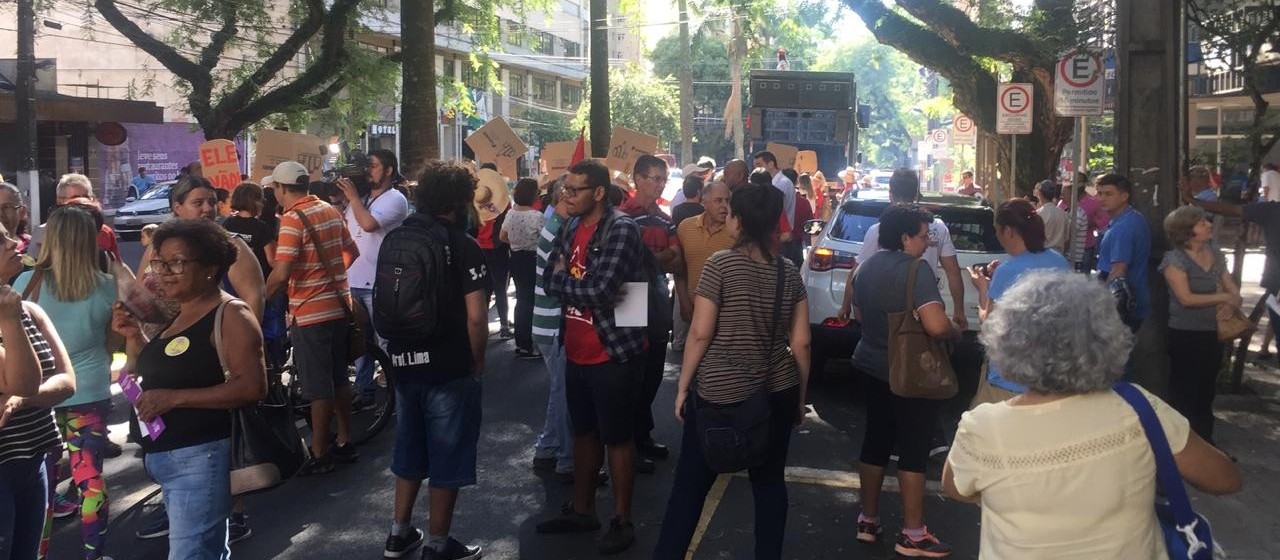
{"points": [[313, 294]]}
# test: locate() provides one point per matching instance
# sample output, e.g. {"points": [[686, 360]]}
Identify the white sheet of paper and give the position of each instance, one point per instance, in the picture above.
{"points": [[633, 311]]}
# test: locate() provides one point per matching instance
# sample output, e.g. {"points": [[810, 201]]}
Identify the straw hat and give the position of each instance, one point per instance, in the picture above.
{"points": [[492, 195]]}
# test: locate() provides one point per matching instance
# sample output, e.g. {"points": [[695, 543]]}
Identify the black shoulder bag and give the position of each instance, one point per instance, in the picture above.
{"points": [[735, 436]]}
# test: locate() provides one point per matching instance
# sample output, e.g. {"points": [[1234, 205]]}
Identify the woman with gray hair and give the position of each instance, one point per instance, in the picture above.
{"points": [[1064, 470], [1200, 289]]}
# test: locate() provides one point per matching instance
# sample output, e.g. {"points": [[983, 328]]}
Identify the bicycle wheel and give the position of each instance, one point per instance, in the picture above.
{"points": [[366, 422]]}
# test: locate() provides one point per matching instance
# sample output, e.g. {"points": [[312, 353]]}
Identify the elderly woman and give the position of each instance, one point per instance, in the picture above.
{"points": [[731, 354], [1064, 470], [1021, 231], [906, 424], [35, 376], [1200, 287], [78, 297], [190, 388]]}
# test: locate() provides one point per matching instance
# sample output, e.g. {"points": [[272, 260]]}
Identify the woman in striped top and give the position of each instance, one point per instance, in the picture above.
{"points": [[736, 347], [35, 375]]}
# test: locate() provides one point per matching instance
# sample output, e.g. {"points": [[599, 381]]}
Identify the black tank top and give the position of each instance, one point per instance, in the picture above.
{"points": [[187, 360]]}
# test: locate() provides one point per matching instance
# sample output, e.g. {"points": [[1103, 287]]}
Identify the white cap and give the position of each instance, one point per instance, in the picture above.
{"points": [[693, 168], [287, 173]]}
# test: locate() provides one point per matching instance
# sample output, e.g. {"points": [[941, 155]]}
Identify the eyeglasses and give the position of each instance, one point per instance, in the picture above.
{"points": [[573, 191], [9, 207], [169, 267]]}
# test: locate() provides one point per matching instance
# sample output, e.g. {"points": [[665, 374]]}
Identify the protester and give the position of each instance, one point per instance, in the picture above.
{"points": [[600, 249], [1095, 220], [804, 213], [497, 255], [224, 205], [1021, 231], [554, 446], [692, 191], [769, 162], [74, 187], [77, 296], [733, 356], [702, 170], [319, 303], [1200, 183], [968, 187], [35, 376], [736, 174], [13, 214], [700, 237], [438, 378], [520, 230], [1124, 250], [893, 422], [187, 384], [246, 202], [368, 218], [1200, 289], [659, 235], [1064, 470], [1056, 220]]}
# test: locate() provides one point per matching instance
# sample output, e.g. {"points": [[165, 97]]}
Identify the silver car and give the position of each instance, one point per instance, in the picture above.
{"points": [[152, 208]]}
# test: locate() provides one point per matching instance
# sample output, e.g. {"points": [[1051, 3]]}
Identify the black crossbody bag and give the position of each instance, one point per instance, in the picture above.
{"points": [[735, 436]]}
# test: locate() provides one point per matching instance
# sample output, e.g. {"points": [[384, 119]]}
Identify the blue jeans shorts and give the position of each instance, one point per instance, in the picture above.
{"points": [[437, 430], [196, 481]]}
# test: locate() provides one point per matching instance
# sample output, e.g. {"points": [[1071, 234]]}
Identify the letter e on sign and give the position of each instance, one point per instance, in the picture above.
{"points": [[1014, 109]]}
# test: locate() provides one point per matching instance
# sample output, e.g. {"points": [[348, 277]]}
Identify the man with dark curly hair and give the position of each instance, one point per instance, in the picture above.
{"points": [[437, 383]]}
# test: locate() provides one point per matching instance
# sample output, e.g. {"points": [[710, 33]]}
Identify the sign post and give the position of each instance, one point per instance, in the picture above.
{"points": [[1013, 117], [1079, 90]]}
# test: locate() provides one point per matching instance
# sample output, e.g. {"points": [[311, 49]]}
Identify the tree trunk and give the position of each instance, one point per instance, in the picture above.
{"points": [[686, 87], [736, 52], [419, 119], [600, 128]]}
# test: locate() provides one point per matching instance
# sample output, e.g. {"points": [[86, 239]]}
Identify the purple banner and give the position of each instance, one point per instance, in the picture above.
{"points": [[161, 148]]}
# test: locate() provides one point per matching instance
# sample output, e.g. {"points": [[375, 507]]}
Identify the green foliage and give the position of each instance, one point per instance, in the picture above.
{"points": [[640, 102], [891, 84], [1102, 158], [547, 126]]}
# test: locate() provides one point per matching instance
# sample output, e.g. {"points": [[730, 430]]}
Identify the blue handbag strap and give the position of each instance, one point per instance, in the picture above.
{"points": [[1166, 469]]}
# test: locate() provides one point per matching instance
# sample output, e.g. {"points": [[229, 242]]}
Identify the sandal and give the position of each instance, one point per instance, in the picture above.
{"points": [[527, 354]]}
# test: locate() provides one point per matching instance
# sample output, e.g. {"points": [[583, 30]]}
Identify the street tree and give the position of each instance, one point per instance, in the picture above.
{"points": [[240, 65], [999, 42], [639, 102]]}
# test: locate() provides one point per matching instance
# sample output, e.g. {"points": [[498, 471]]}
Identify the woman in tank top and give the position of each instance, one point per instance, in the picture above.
{"points": [[186, 386], [35, 375]]}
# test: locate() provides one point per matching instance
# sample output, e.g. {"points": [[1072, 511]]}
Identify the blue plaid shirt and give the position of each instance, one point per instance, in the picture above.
{"points": [[615, 255]]}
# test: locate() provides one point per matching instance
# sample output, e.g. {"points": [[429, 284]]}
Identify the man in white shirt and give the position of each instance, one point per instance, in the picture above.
{"points": [[1056, 220], [904, 188], [1270, 182], [369, 218], [769, 162]]}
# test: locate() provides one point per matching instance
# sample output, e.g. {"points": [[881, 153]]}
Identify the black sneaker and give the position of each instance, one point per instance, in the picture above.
{"points": [[155, 525], [319, 465], [620, 536], [112, 450], [652, 449], [344, 453], [452, 551], [927, 547], [399, 545], [645, 465], [238, 528], [570, 521], [544, 463]]}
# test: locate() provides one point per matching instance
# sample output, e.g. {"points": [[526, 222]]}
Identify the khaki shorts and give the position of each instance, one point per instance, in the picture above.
{"points": [[988, 393]]}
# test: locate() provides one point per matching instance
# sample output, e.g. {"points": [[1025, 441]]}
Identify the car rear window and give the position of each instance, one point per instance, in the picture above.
{"points": [[971, 228], [853, 221]]}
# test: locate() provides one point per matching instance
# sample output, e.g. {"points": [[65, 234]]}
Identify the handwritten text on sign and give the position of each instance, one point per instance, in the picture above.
{"points": [[220, 163]]}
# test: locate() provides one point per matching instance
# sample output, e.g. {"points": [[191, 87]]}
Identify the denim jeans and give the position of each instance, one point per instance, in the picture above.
{"points": [[523, 267], [23, 501], [365, 364], [437, 431], [196, 481], [556, 439], [768, 485]]}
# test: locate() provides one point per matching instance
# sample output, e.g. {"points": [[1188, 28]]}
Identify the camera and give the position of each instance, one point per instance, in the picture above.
{"points": [[354, 167]]}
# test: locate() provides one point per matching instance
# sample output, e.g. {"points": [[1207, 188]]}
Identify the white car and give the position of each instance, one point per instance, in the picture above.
{"points": [[152, 208], [827, 266]]}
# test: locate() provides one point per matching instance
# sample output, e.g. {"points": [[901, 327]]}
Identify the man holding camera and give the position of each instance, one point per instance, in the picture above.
{"points": [[373, 209]]}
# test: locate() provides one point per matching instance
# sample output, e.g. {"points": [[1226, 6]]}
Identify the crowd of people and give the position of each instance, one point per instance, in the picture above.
{"points": [[292, 266]]}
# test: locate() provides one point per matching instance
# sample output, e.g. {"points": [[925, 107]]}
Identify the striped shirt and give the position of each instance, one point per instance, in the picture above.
{"points": [[31, 431], [547, 310], [736, 361], [313, 294]]}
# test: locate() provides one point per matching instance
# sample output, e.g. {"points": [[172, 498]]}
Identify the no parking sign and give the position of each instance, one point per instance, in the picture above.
{"points": [[1013, 109], [963, 131], [1078, 87]]}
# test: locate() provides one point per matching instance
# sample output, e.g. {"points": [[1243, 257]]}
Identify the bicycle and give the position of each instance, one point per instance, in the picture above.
{"points": [[366, 423]]}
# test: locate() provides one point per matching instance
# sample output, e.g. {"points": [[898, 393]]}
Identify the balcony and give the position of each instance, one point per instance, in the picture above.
{"points": [[1231, 82]]}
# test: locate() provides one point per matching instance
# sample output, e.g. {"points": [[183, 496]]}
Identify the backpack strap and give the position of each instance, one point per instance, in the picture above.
{"points": [[331, 276]]}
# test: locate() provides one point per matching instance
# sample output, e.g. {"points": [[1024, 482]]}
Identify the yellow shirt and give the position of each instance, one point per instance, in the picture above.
{"points": [[699, 243]]}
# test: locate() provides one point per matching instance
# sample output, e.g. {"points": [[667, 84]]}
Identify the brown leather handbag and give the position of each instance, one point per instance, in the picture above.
{"points": [[919, 364]]}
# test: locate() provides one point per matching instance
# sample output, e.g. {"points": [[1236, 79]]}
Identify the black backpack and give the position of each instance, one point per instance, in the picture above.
{"points": [[412, 275]]}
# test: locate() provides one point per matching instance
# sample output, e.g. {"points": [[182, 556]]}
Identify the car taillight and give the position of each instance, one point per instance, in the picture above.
{"points": [[823, 259]]}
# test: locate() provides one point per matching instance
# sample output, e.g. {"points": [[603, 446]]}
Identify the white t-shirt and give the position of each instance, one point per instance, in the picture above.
{"points": [[782, 183], [1271, 183], [1074, 478], [940, 245], [389, 209], [1056, 223]]}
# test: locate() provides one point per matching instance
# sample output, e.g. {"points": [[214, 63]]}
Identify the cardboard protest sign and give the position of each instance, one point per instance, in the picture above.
{"points": [[496, 142], [220, 163], [626, 146], [786, 154], [556, 157], [806, 161], [275, 146]]}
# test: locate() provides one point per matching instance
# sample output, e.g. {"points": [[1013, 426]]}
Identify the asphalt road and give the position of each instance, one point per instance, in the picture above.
{"points": [[346, 514]]}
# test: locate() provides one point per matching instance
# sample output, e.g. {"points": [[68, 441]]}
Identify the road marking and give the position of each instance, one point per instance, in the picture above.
{"points": [[708, 511]]}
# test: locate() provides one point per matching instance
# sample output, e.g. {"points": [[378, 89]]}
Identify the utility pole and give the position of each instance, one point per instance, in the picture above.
{"points": [[600, 128], [25, 103], [686, 87], [736, 53]]}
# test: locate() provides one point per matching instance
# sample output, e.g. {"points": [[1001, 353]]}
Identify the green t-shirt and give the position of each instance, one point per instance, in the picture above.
{"points": [[82, 328]]}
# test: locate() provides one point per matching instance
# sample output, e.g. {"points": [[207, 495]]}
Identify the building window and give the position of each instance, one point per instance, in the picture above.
{"points": [[542, 42], [570, 96], [572, 49], [1207, 122], [450, 68], [1237, 120], [515, 34], [472, 78], [516, 87], [544, 91]]}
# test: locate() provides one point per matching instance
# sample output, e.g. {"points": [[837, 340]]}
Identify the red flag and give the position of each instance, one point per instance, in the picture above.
{"points": [[579, 151]]}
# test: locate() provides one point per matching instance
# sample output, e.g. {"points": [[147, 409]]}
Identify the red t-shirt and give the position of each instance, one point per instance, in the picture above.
{"points": [[582, 344]]}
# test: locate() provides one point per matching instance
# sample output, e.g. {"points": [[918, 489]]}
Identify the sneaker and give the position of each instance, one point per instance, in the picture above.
{"points": [[620, 536], [928, 547], [319, 465], [570, 521], [238, 528], [112, 450], [505, 333], [645, 465], [544, 463], [454, 550], [869, 532], [62, 507], [399, 545], [344, 453], [156, 525]]}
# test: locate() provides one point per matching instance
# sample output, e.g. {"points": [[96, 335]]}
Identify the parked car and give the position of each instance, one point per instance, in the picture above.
{"points": [[152, 208], [839, 241], [880, 179]]}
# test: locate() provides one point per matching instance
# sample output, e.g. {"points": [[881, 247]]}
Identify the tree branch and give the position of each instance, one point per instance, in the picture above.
{"points": [[955, 27], [168, 56], [447, 12], [218, 41]]}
